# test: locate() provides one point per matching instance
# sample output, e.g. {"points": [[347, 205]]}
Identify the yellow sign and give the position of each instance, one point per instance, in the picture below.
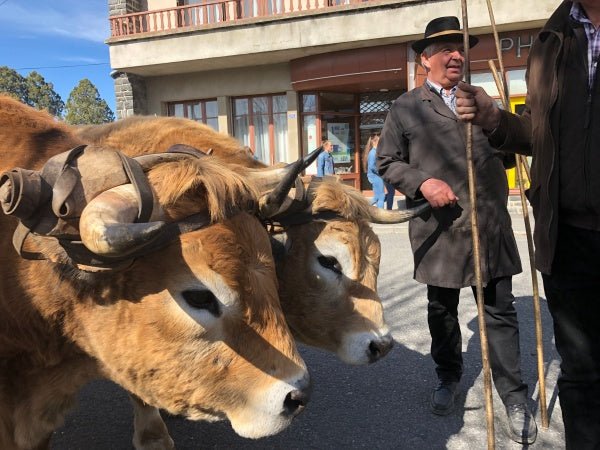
{"points": [[511, 174]]}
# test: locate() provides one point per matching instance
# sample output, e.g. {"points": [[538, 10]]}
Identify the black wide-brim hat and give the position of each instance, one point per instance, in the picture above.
{"points": [[442, 29]]}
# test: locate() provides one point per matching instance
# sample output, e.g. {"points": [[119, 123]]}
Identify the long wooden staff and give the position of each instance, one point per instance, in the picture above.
{"points": [[487, 379], [522, 163]]}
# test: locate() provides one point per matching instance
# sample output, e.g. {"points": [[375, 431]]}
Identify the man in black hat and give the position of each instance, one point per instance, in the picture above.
{"points": [[422, 153]]}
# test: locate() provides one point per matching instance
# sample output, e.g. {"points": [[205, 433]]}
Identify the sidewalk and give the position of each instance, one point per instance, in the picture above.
{"points": [[405, 304]]}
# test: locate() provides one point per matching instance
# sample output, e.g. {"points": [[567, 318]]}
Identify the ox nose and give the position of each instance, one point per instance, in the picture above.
{"points": [[380, 347], [296, 400]]}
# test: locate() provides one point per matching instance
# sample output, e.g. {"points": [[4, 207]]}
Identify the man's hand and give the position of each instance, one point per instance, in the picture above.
{"points": [[438, 193], [474, 105]]}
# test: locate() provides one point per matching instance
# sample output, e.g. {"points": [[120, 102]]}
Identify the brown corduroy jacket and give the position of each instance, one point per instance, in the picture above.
{"points": [[532, 133]]}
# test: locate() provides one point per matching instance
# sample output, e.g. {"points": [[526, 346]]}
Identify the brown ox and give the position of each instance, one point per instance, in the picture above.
{"points": [[194, 327], [327, 255]]}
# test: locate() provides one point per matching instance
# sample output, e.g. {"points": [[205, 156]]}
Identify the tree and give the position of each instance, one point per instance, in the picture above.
{"points": [[12, 83], [31, 90], [41, 95], [85, 107]]}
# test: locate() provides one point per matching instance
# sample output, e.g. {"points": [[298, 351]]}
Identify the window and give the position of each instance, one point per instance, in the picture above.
{"points": [[204, 111], [516, 82], [261, 123], [199, 14], [331, 116]]}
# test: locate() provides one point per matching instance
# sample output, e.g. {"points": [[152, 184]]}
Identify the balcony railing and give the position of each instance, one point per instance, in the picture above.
{"points": [[214, 12]]}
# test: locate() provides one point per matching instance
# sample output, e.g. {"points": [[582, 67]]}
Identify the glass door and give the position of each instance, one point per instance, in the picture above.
{"points": [[334, 117]]}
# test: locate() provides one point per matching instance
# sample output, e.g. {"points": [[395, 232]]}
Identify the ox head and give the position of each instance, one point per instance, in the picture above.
{"points": [[193, 326], [327, 257]]}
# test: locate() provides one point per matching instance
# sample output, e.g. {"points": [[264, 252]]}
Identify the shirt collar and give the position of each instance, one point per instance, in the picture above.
{"points": [[439, 89], [577, 13]]}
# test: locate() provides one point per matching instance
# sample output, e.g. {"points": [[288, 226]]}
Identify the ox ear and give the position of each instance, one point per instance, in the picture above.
{"points": [[270, 203], [387, 216]]}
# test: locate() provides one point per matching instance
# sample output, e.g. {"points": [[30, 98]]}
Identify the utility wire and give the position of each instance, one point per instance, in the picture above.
{"points": [[59, 67]]}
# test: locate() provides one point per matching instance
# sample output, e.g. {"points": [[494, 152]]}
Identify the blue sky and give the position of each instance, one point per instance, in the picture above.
{"points": [[63, 40]]}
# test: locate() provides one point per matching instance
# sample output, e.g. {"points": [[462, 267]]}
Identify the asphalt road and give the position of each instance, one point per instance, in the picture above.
{"points": [[382, 406]]}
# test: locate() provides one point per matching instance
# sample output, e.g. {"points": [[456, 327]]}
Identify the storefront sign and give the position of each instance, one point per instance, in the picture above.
{"points": [[518, 43]]}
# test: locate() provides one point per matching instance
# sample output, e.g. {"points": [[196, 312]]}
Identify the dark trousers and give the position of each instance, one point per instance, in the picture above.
{"points": [[502, 330], [573, 294]]}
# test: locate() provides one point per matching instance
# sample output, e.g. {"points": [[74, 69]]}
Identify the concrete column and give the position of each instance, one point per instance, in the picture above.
{"points": [[224, 111], [130, 93], [293, 128], [118, 7], [411, 70], [130, 90]]}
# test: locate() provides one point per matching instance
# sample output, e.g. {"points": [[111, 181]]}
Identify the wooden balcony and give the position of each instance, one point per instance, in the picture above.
{"points": [[202, 15]]}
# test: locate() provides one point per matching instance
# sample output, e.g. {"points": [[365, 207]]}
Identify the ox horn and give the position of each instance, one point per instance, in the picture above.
{"points": [[387, 216], [269, 177], [107, 225], [270, 203]]}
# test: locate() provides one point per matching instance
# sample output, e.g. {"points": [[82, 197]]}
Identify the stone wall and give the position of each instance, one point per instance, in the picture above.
{"points": [[130, 89], [130, 93], [117, 7]]}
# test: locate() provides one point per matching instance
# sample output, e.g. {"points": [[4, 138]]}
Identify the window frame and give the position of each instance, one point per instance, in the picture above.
{"points": [[270, 114], [188, 105]]}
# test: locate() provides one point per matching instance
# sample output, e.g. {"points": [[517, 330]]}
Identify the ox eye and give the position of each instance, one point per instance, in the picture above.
{"points": [[202, 299], [331, 263]]}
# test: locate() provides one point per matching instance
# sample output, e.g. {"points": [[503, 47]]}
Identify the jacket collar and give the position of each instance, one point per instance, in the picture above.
{"points": [[558, 21], [427, 94]]}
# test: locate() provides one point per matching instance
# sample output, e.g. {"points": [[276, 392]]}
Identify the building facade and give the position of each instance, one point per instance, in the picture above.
{"points": [[283, 75]]}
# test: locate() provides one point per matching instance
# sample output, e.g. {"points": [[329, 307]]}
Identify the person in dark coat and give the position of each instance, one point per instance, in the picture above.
{"points": [[560, 128], [421, 152]]}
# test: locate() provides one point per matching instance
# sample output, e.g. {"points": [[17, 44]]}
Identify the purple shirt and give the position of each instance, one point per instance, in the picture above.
{"points": [[593, 36]]}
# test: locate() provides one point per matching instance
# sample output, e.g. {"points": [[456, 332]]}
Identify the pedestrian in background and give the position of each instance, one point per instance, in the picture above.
{"points": [[380, 196], [325, 160], [560, 128], [422, 153]]}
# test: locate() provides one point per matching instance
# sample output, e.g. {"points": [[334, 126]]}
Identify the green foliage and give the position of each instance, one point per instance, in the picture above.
{"points": [[85, 107], [41, 95], [12, 83]]}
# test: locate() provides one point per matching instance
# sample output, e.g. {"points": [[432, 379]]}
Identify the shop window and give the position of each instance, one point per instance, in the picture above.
{"points": [[260, 122], [204, 111], [516, 82], [332, 116], [335, 102], [309, 103], [340, 130], [373, 107]]}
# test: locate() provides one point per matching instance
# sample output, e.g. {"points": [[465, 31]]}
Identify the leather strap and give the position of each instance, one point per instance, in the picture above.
{"points": [[64, 180], [138, 179]]}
